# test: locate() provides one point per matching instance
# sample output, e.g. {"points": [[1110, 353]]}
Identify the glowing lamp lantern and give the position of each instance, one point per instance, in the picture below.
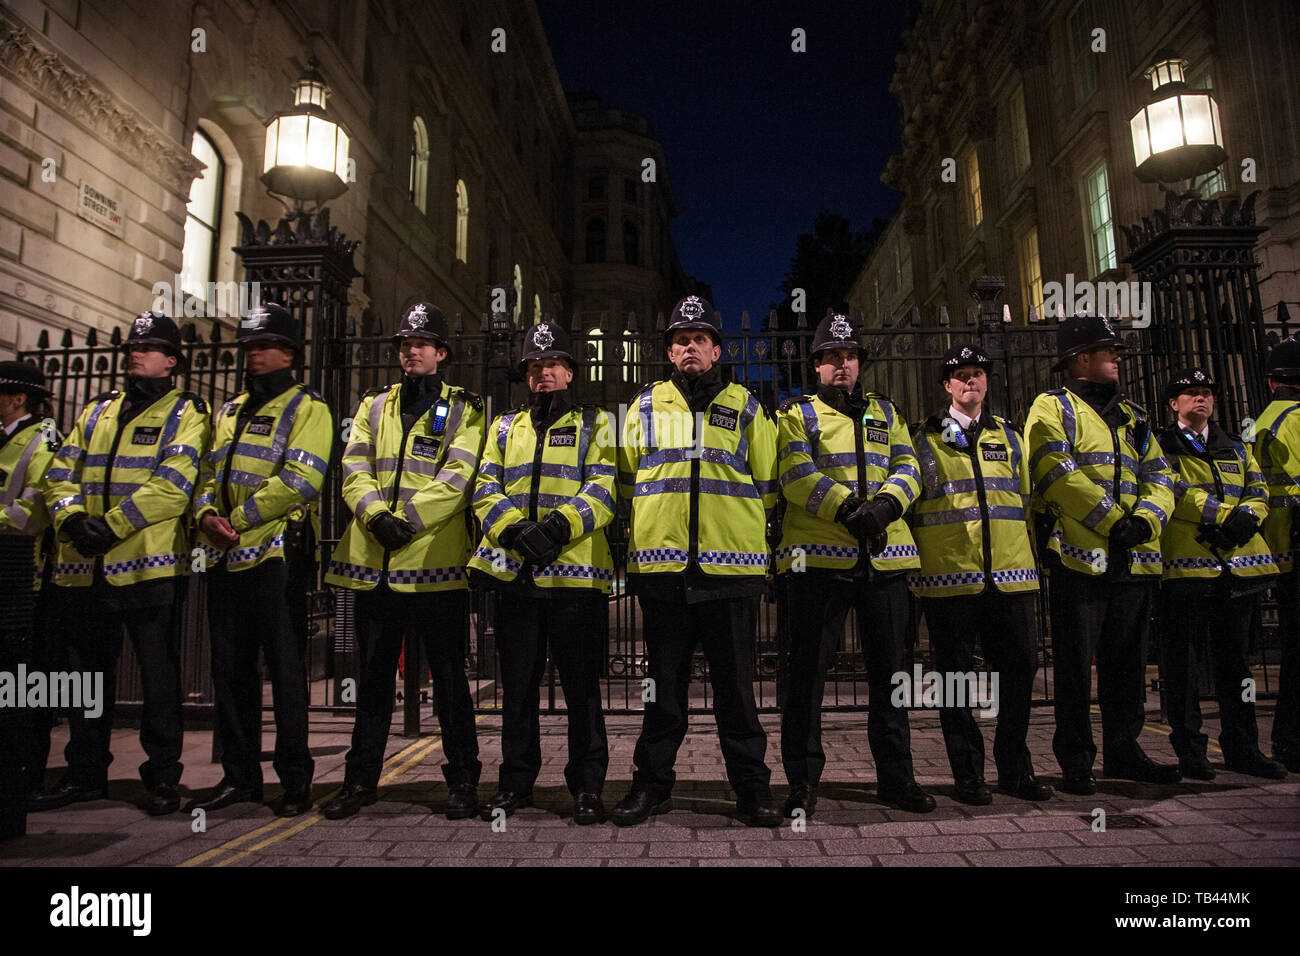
{"points": [[306, 152], [1177, 134]]}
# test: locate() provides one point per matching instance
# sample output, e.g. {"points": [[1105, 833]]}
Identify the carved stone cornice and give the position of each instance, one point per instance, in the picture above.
{"points": [[45, 73]]}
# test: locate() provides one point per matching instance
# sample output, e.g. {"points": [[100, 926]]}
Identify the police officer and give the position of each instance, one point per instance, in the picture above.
{"points": [[1106, 492], [407, 475], [848, 473], [1215, 566], [545, 494], [1277, 433], [978, 574], [257, 516], [27, 446], [697, 559], [118, 491]]}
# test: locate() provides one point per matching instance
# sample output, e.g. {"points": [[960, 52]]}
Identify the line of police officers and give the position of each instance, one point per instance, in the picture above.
{"points": [[871, 510]]}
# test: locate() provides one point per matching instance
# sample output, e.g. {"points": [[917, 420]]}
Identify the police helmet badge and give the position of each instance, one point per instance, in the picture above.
{"points": [[1199, 375], [966, 352], [840, 327], [256, 319], [543, 338], [418, 317], [692, 308], [143, 323]]}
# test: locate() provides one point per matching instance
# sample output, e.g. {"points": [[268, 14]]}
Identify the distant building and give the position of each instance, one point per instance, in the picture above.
{"points": [[131, 134]]}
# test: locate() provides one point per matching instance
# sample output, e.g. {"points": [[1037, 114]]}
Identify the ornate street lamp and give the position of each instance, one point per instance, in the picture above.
{"points": [[1177, 134], [306, 151]]}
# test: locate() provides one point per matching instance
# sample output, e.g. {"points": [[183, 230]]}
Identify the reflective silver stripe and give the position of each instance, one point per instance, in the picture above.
{"points": [[356, 467], [65, 502], [133, 514], [366, 500], [377, 411], [19, 476], [1099, 512], [359, 450]]}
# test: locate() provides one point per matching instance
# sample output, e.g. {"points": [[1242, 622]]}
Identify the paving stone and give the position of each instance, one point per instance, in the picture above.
{"points": [[984, 825], [1035, 840], [1011, 858], [948, 844], [786, 848], [691, 851], [869, 846], [597, 851], [1096, 856], [922, 859], [519, 850]]}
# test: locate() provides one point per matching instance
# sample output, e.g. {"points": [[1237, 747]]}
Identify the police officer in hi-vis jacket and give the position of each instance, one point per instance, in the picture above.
{"points": [[408, 471], [545, 493], [1216, 564], [256, 511], [698, 462], [1105, 489], [978, 574], [848, 472], [119, 493]]}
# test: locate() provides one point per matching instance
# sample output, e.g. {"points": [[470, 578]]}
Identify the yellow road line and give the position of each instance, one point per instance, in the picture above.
{"points": [[231, 844]]}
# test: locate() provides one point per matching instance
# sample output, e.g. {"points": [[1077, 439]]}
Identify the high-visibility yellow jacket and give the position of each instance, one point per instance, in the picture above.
{"points": [[1277, 442], [971, 522], [139, 478], [1209, 483], [819, 448], [265, 471], [702, 503], [1088, 475], [24, 460], [526, 474], [424, 476]]}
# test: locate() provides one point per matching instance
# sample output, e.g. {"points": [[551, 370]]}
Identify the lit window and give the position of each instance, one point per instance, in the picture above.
{"points": [[1019, 131], [1031, 271], [462, 221], [1084, 60], [974, 203], [1101, 250], [202, 215], [418, 184], [628, 361]]}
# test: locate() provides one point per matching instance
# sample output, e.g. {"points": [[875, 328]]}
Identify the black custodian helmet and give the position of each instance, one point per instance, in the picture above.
{"points": [[1283, 362], [269, 322], [964, 354], [155, 329], [693, 312], [547, 340], [1083, 332], [835, 331], [424, 320], [1189, 378]]}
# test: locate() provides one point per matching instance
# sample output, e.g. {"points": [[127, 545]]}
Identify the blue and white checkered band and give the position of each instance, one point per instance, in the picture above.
{"points": [[543, 337], [255, 319], [143, 323], [840, 327], [692, 308]]}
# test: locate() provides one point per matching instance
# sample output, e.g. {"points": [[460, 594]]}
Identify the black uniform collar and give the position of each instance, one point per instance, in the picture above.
{"points": [[549, 406], [1286, 393], [419, 392], [147, 390], [699, 390], [1105, 398], [270, 384], [851, 403]]}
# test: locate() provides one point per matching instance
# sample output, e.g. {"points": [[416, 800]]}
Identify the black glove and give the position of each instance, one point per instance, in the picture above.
{"points": [[851, 504], [532, 542], [556, 528], [873, 517], [1240, 527], [74, 529], [90, 535], [1128, 532], [391, 531], [510, 535], [1215, 537]]}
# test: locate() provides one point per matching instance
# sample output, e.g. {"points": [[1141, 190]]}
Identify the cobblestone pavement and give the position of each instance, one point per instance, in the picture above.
{"points": [[1234, 820]]}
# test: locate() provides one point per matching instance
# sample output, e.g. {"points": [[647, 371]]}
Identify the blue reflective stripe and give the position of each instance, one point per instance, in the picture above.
{"points": [[897, 451], [818, 494], [795, 447], [646, 407], [810, 427], [1099, 512], [1209, 509], [93, 420], [1067, 418], [59, 474], [116, 488], [1154, 509], [134, 461], [175, 477], [281, 441], [878, 461], [1061, 469], [751, 559], [746, 416], [66, 502], [587, 515], [133, 515], [765, 487], [801, 470], [299, 484], [658, 556], [600, 471], [708, 486], [499, 509], [1048, 448], [593, 490], [251, 512], [245, 478], [503, 429], [492, 470], [71, 451], [845, 459], [1156, 478], [1013, 441]]}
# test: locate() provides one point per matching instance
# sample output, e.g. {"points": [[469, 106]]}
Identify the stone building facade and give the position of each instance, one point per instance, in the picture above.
{"points": [[1018, 99], [130, 134]]}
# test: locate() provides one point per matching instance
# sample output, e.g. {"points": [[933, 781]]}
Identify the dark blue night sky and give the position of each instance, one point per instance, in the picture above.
{"points": [[759, 139]]}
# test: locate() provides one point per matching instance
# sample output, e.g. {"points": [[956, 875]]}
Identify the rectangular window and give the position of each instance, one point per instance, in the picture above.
{"points": [[1031, 272], [971, 176], [1081, 55], [1019, 131], [1101, 248]]}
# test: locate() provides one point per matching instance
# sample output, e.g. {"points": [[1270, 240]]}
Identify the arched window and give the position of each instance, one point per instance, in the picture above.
{"points": [[595, 362], [418, 185], [537, 308], [596, 240], [519, 292], [631, 247], [202, 219], [462, 221], [622, 367]]}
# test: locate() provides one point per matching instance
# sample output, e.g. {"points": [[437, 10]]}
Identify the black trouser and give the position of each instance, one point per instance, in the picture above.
{"points": [[817, 605], [90, 635], [570, 622], [437, 619], [1007, 627], [725, 628], [1109, 619], [43, 652], [1286, 719], [1192, 615], [264, 606]]}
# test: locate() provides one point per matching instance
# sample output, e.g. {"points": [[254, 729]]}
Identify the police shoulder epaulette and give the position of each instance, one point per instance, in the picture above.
{"points": [[1138, 410], [1056, 391], [198, 401], [880, 397], [790, 403], [111, 394], [311, 392], [472, 399], [377, 391]]}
